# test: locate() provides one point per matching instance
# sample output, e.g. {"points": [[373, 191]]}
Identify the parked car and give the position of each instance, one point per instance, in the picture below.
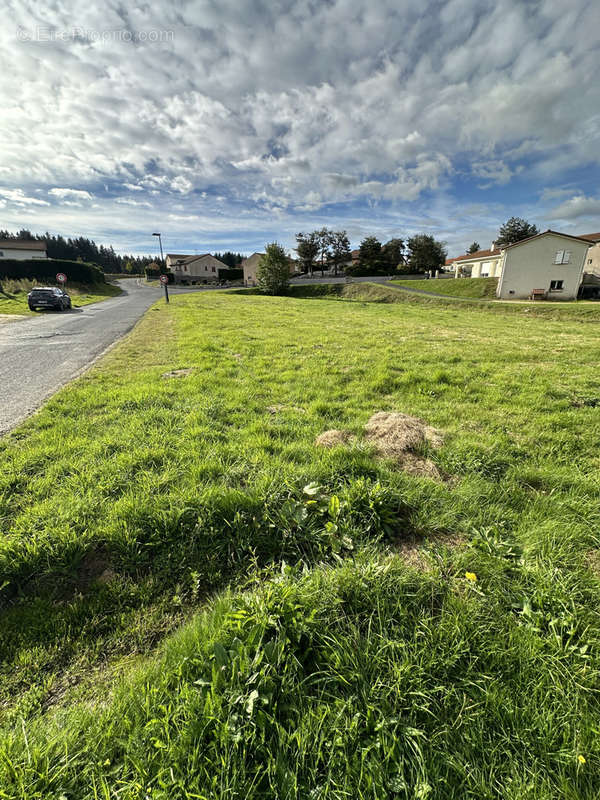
{"points": [[48, 297]]}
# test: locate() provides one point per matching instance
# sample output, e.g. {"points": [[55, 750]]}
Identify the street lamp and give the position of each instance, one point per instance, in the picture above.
{"points": [[161, 250], [163, 278]]}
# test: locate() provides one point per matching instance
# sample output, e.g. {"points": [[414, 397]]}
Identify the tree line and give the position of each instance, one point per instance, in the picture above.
{"points": [[328, 249], [81, 248]]}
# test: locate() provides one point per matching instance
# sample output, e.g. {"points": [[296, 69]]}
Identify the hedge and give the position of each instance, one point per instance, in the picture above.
{"points": [[39, 268], [231, 274]]}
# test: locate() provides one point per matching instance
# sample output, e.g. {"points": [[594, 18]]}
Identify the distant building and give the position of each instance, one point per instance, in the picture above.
{"points": [[22, 249], [250, 266], [194, 269]]}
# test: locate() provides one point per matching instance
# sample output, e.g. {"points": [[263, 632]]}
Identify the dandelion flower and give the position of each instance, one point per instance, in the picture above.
{"points": [[581, 759], [470, 576]]}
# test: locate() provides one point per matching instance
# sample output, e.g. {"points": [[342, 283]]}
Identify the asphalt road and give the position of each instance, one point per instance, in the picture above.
{"points": [[40, 354]]}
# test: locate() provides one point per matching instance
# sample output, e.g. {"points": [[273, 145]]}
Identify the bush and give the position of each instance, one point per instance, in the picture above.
{"points": [[273, 275], [40, 268]]}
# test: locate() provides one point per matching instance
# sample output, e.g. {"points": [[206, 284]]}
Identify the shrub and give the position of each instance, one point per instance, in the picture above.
{"points": [[273, 275]]}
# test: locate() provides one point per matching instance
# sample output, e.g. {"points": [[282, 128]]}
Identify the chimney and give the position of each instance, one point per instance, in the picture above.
{"points": [[493, 246]]}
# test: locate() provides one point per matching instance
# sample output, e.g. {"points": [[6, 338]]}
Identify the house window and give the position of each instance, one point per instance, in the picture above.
{"points": [[556, 286], [562, 257], [185, 268], [1, 254], [589, 259], [213, 269]]}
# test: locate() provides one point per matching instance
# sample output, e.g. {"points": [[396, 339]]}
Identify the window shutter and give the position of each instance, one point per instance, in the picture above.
{"points": [[567, 257], [559, 256]]}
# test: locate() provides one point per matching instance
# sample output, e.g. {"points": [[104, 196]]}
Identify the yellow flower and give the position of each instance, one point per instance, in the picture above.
{"points": [[581, 759], [470, 576]]}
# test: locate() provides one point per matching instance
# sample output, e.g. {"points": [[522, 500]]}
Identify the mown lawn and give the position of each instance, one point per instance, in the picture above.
{"points": [[346, 630], [472, 288], [15, 301]]}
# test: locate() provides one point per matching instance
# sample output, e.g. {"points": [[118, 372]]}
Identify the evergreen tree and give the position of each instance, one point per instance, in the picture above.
{"points": [[273, 274]]}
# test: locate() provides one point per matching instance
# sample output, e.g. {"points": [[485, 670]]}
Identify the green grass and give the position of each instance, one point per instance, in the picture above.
{"points": [[13, 295], [472, 288], [350, 656]]}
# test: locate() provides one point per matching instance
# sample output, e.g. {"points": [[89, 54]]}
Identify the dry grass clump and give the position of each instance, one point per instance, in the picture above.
{"points": [[178, 373], [401, 437], [333, 438], [396, 436]]}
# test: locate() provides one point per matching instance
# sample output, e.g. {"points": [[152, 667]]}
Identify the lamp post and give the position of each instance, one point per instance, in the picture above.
{"points": [[162, 258], [161, 250]]}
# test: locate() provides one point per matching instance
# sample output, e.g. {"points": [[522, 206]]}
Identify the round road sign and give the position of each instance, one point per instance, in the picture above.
{"points": [[164, 279], [61, 277]]}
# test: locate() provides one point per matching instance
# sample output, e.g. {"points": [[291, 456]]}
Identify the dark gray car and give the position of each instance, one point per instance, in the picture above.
{"points": [[48, 297]]}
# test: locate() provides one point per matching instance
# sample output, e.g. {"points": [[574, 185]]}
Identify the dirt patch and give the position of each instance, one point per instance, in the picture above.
{"points": [[333, 438], [420, 553], [592, 558], [178, 373], [95, 567]]}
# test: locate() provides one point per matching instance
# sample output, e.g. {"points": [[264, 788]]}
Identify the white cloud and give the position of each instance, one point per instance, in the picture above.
{"points": [[70, 194], [295, 108], [576, 207], [18, 197]]}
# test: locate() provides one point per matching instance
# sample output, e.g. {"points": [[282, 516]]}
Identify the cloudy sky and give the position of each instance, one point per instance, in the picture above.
{"points": [[228, 123]]}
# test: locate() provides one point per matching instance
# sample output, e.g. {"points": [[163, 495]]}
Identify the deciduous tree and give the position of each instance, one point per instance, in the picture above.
{"points": [[340, 249], [307, 248], [392, 254], [425, 253]]}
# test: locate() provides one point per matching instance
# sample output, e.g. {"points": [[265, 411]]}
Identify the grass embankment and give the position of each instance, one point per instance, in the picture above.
{"points": [[424, 639], [13, 294], [472, 288]]}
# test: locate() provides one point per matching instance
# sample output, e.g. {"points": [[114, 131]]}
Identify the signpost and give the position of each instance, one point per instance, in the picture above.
{"points": [[61, 278], [164, 279]]}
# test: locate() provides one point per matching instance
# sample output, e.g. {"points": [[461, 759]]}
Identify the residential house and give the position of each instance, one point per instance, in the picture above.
{"points": [[550, 263], [22, 249], [481, 264], [194, 269]]}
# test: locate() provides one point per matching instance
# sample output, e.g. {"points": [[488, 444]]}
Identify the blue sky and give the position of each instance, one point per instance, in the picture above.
{"points": [[228, 124]]}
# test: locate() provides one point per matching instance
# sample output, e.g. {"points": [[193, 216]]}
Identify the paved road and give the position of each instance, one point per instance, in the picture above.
{"points": [[40, 354]]}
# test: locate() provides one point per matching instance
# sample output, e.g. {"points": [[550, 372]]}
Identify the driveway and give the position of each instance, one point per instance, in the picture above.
{"points": [[40, 354]]}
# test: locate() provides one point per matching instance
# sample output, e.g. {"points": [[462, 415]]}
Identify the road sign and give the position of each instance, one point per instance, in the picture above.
{"points": [[164, 279], [61, 277]]}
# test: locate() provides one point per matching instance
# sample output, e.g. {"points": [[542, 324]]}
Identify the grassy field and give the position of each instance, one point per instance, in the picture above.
{"points": [[199, 602], [472, 288], [13, 295]]}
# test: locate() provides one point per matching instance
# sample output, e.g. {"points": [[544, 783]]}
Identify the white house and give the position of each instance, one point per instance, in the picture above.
{"points": [[22, 249], [194, 269], [549, 264], [481, 264]]}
